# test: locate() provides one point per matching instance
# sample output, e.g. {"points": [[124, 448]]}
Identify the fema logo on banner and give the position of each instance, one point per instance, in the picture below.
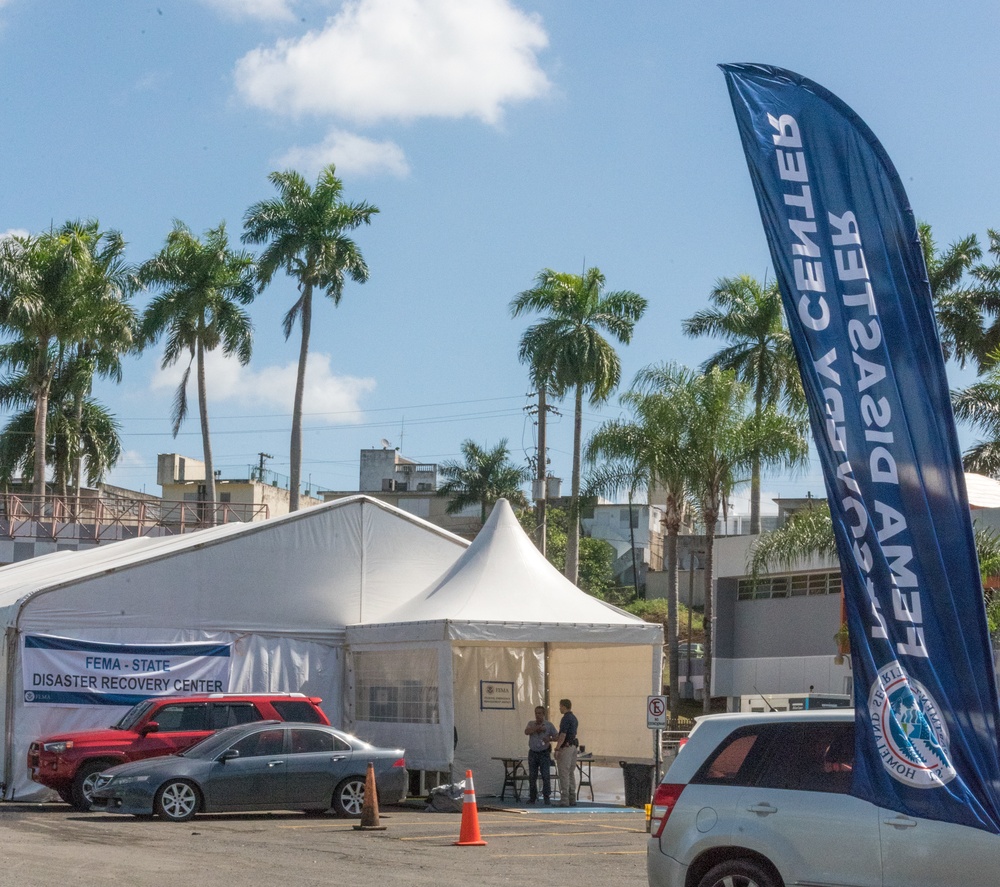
{"points": [[910, 735]]}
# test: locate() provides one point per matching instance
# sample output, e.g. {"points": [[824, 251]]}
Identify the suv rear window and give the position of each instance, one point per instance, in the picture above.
{"points": [[737, 759], [294, 710], [804, 756], [814, 757], [229, 714]]}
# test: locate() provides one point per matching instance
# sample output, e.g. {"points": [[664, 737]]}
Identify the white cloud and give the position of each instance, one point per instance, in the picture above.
{"points": [[351, 153], [267, 10], [402, 60], [273, 387], [13, 232]]}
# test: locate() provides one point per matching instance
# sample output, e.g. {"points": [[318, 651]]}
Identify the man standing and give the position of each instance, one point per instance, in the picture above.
{"points": [[540, 733], [566, 743]]}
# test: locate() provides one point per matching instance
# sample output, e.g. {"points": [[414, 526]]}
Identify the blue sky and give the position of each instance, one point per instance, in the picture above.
{"points": [[498, 138]]}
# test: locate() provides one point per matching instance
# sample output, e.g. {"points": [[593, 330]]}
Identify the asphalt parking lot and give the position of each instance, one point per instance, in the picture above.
{"points": [[46, 844]]}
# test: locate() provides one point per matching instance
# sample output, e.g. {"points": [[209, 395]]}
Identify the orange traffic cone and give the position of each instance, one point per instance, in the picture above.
{"points": [[369, 807], [469, 836]]}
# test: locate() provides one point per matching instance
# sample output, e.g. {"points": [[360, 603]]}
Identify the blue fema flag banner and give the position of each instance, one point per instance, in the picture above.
{"points": [[848, 259]]}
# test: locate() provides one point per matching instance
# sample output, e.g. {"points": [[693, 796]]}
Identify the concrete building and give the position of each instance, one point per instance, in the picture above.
{"points": [[257, 496], [386, 471], [625, 527], [387, 475]]}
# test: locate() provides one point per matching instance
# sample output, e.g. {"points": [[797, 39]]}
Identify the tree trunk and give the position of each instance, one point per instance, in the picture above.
{"points": [[76, 453], [631, 538], [295, 455], [541, 471], [206, 441], [711, 515], [573, 519], [758, 405], [41, 415], [673, 659]]}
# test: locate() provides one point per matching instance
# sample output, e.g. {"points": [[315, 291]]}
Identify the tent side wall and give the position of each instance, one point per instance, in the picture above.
{"points": [[608, 687], [399, 695], [486, 729]]}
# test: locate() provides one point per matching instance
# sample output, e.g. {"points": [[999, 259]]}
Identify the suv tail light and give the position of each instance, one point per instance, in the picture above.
{"points": [[400, 762], [664, 800]]}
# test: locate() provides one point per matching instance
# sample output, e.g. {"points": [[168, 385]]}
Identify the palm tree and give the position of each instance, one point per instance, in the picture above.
{"points": [[40, 284], [748, 315], [107, 329], [664, 396], [805, 533], [616, 474], [202, 286], [65, 303], [649, 451], [722, 439], [986, 293], [304, 230], [89, 431], [959, 310], [567, 349], [486, 476], [979, 404]]}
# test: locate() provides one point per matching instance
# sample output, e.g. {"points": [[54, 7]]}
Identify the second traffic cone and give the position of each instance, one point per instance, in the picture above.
{"points": [[369, 807], [469, 835]]}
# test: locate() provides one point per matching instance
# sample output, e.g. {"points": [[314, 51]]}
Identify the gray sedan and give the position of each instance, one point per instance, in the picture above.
{"points": [[268, 765]]}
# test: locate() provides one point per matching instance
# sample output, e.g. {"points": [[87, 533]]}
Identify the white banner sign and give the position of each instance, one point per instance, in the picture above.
{"points": [[61, 671]]}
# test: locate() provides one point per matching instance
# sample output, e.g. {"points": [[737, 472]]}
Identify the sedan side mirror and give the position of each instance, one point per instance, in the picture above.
{"points": [[228, 755], [151, 727]]}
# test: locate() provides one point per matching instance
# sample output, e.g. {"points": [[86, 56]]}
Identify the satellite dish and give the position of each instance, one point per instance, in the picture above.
{"points": [[385, 444]]}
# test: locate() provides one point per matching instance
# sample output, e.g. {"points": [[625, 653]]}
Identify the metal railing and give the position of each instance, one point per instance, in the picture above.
{"points": [[98, 520]]}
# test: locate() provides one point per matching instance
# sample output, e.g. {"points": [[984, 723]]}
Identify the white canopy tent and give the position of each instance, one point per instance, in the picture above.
{"points": [[280, 592], [455, 673]]}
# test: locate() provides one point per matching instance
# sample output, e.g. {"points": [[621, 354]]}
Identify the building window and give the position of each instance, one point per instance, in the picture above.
{"points": [[629, 517], [791, 585], [401, 689]]}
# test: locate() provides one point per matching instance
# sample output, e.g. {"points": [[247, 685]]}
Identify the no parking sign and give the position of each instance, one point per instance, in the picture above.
{"points": [[656, 712]]}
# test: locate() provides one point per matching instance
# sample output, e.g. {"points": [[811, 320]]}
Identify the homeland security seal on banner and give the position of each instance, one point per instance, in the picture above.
{"points": [[910, 735]]}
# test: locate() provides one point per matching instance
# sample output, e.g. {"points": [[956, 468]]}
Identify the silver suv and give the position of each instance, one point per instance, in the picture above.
{"points": [[761, 800]]}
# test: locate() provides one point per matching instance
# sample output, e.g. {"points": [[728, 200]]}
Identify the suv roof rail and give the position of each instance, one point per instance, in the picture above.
{"points": [[264, 693]]}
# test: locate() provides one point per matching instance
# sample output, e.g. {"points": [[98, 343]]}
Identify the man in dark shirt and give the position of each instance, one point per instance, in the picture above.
{"points": [[566, 745]]}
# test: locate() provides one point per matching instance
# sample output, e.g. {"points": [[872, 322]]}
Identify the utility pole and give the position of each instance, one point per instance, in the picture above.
{"points": [[260, 468], [541, 473]]}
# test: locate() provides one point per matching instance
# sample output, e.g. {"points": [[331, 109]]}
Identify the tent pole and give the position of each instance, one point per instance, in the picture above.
{"points": [[7, 783], [545, 676]]}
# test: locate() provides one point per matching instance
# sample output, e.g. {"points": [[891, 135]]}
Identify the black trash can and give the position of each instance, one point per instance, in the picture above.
{"points": [[638, 783]]}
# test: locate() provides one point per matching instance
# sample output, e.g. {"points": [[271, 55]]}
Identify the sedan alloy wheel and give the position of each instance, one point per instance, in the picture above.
{"points": [[177, 801], [349, 797]]}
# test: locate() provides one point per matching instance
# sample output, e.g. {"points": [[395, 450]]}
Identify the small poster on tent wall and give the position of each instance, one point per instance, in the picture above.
{"points": [[496, 695]]}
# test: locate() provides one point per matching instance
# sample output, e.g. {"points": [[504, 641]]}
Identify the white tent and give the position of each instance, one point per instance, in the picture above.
{"points": [[278, 594], [455, 673]]}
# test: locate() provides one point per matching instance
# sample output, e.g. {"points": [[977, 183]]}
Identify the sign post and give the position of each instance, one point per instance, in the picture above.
{"points": [[656, 720]]}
